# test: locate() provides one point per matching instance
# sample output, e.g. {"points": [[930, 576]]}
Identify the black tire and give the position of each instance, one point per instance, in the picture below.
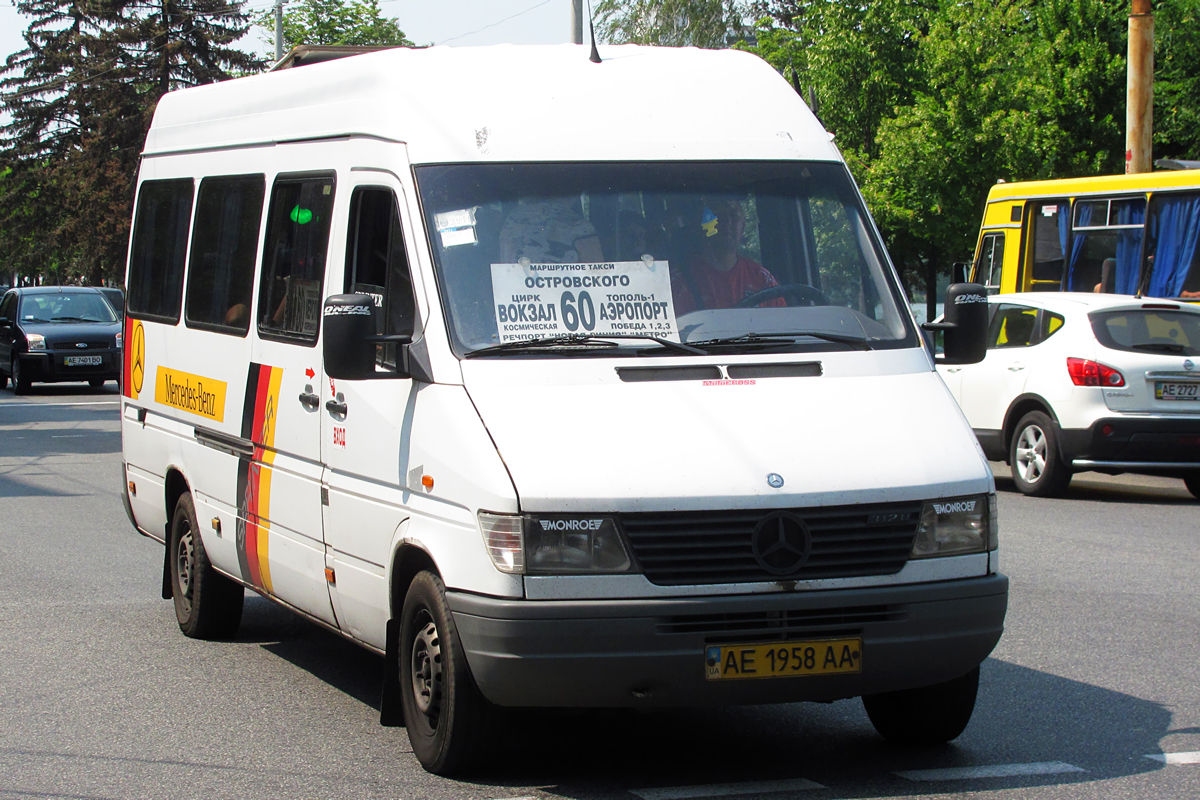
{"points": [[3, 379], [96, 383], [446, 716], [928, 715], [20, 381], [208, 605], [1192, 482], [1036, 459]]}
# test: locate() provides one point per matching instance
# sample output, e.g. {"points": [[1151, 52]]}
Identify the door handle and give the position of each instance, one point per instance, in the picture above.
{"points": [[336, 407], [1015, 367], [953, 369], [310, 401]]}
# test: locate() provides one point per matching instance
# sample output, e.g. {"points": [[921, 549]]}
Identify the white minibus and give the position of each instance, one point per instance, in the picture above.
{"points": [[557, 383]]}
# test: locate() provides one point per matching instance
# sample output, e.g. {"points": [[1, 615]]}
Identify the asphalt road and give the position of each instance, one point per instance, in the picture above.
{"points": [[1093, 692]]}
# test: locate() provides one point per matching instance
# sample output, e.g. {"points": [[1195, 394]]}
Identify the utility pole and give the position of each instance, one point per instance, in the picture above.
{"points": [[1139, 93], [577, 21], [279, 31]]}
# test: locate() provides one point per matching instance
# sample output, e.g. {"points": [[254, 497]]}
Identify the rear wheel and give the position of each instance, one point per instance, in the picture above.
{"points": [[1037, 466], [1192, 481], [208, 605], [445, 714], [928, 715], [20, 381], [96, 383]]}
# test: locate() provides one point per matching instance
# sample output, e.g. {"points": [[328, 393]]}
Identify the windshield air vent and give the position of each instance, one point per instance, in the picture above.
{"points": [[638, 374], [807, 369]]}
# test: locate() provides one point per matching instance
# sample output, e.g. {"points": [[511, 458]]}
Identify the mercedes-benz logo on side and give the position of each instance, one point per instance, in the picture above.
{"points": [[781, 543], [774, 480]]}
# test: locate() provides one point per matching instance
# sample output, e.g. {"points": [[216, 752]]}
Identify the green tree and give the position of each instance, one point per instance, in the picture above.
{"points": [[357, 22], [672, 23]]}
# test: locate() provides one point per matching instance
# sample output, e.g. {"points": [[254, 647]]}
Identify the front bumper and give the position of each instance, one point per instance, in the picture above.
{"points": [[647, 653], [1134, 443], [50, 366]]}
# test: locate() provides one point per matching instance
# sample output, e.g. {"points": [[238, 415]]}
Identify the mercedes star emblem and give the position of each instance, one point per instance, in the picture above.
{"points": [[774, 480], [781, 543]]}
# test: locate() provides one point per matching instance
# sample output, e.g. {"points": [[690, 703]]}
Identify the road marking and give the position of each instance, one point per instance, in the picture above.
{"points": [[1176, 758], [725, 789], [72, 435], [994, 771], [43, 405]]}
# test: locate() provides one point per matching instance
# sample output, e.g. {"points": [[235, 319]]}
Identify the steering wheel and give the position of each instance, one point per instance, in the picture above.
{"points": [[802, 293]]}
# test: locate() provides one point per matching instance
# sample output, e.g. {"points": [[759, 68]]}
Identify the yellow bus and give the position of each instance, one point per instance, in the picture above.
{"points": [[1123, 234]]}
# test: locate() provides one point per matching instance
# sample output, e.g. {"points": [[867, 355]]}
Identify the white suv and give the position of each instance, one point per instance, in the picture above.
{"points": [[1075, 382]]}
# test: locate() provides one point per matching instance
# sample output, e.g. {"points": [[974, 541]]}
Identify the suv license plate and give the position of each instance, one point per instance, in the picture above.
{"points": [[782, 659], [83, 361], [1176, 391]]}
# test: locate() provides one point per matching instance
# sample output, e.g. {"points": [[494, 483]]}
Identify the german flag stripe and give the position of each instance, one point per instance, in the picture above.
{"points": [[254, 474]]}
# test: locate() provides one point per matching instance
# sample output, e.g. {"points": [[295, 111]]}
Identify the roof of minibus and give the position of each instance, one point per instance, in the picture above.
{"points": [[511, 103], [1100, 184]]}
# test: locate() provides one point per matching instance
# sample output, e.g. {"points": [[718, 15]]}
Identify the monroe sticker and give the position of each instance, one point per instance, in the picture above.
{"points": [[622, 298]]}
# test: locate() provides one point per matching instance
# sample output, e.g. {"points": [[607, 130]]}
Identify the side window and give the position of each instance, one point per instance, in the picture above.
{"points": [[159, 249], [297, 240], [1051, 324], [1012, 326], [8, 306], [1106, 243], [377, 264], [1050, 227], [224, 244], [991, 262]]}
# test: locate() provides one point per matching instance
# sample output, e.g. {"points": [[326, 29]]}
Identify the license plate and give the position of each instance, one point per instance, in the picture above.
{"points": [[83, 361], [783, 659], [1176, 391]]}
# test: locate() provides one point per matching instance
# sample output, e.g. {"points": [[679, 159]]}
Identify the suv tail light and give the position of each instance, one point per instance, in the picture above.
{"points": [[1092, 373]]}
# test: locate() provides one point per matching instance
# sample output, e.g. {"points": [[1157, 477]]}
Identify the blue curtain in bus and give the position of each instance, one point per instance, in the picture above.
{"points": [[1129, 247], [1064, 228], [1085, 219], [1178, 223]]}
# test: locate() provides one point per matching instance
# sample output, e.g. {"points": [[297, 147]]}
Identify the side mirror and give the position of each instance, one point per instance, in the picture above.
{"points": [[958, 271], [964, 326], [349, 321]]}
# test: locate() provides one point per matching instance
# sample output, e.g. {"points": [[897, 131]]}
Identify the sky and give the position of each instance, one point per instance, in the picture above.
{"points": [[450, 22]]}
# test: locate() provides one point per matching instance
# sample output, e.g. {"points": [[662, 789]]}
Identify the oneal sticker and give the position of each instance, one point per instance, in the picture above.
{"points": [[969, 298], [135, 358], [955, 508], [259, 415], [624, 297], [341, 311], [194, 394]]}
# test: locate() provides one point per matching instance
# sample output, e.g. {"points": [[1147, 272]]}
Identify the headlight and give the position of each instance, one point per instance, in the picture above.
{"points": [[36, 341], [554, 545], [956, 526]]}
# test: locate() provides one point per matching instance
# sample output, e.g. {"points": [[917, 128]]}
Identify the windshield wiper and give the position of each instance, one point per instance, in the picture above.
{"points": [[74, 319], [788, 337], [581, 341], [1167, 347]]}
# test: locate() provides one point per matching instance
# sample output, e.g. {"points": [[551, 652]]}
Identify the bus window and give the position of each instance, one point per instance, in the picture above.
{"points": [[1106, 245], [1050, 222], [990, 265], [1174, 228]]}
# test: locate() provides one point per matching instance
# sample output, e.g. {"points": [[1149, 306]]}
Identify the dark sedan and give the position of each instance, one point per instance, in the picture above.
{"points": [[58, 333]]}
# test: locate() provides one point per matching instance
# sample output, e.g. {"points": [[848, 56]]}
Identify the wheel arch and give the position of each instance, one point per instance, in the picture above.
{"points": [[175, 485], [408, 559], [1021, 406]]}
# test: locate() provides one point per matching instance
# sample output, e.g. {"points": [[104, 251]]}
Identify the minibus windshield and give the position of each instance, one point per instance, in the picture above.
{"points": [[603, 259]]}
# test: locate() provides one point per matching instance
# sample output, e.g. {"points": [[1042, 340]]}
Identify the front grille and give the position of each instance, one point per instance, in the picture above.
{"points": [[779, 624], [699, 547], [72, 345]]}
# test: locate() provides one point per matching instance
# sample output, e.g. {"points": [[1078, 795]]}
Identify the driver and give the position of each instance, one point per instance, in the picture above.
{"points": [[719, 276]]}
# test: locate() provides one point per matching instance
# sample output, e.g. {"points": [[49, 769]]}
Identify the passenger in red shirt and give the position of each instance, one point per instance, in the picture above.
{"points": [[718, 275]]}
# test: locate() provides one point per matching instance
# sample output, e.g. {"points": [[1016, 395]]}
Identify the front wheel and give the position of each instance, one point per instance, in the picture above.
{"points": [[208, 605], [1035, 457], [928, 715], [20, 381], [444, 712]]}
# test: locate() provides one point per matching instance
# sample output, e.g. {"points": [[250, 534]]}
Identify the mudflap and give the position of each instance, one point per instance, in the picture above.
{"points": [[391, 709], [167, 592]]}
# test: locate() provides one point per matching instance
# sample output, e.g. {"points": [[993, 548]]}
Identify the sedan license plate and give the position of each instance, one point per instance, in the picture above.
{"points": [[783, 659], [83, 361], [1176, 391]]}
